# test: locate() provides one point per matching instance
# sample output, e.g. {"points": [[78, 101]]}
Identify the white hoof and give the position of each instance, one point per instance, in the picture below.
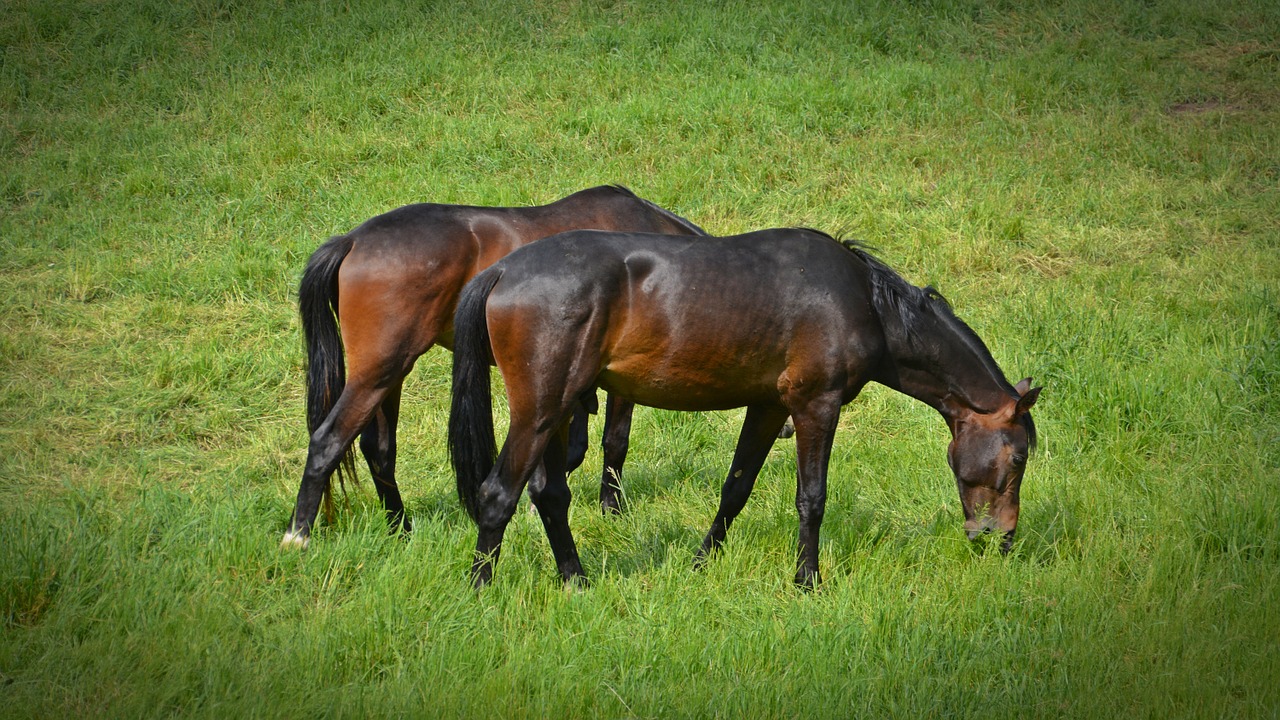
{"points": [[294, 540]]}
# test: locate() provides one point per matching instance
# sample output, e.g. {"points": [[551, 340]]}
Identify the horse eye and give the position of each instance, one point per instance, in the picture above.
{"points": [[1019, 460]]}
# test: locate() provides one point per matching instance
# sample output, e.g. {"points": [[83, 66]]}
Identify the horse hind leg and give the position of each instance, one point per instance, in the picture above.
{"points": [[328, 445], [378, 445], [551, 497], [536, 459], [386, 327], [368, 406], [615, 443], [534, 454], [499, 494], [586, 406]]}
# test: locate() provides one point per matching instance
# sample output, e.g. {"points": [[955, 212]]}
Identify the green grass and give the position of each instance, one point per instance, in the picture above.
{"points": [[1095, 186]]}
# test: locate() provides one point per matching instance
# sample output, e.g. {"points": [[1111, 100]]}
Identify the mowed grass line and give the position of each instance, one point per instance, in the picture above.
{"points": [[1092, 185]]}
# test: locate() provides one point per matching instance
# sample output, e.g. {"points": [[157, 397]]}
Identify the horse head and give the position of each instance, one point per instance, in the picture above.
{"points": [[988, 454]]}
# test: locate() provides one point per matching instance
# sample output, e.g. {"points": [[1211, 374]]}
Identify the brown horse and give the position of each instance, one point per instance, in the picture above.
{"points": [[683, 325], [392, 284]]}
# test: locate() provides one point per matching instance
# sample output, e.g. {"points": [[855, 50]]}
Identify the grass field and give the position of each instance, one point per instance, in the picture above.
{"points": [[1094, 185]]}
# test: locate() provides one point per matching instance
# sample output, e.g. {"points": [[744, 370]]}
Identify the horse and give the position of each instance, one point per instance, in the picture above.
{"points": [[698, 325], [375, 299]]}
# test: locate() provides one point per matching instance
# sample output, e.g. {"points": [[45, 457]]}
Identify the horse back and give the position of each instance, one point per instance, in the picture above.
{"points": [[694, 323], [433, 238]]}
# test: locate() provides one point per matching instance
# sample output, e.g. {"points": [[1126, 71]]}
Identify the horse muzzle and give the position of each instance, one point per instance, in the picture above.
{"points": [[978, 527], [975, 529]]}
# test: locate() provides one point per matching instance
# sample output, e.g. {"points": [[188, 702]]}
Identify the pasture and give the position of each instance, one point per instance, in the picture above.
{"points": [[1094, 186]]}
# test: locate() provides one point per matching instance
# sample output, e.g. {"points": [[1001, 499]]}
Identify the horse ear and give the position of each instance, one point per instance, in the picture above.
{"points": [[1028, 399], [1023, 386]]}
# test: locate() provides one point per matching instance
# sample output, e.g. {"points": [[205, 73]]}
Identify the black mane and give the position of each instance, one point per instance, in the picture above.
{"points": [[910, 305]]}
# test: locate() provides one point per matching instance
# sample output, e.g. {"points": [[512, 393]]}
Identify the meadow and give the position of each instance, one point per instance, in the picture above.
{"points": [[1095, 186]]}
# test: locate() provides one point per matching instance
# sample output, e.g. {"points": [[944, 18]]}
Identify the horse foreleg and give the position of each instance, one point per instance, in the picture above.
{"points": [[759, 430], [616, 440], [378, 444], [815, 431]]}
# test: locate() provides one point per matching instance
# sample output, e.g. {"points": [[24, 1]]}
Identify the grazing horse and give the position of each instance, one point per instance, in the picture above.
{"points": [[698, 325], [392, 285]]}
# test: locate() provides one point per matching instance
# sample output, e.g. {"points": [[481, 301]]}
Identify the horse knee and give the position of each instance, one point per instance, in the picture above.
{"points": [[811, 509]]}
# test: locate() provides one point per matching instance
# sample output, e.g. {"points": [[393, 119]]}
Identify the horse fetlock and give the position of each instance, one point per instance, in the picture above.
{"points": [[807, 579], [398, 523], [481, 575], [577, 582], [611, 492], [710, 544], [487, 551], [610, 504], [295, 539]]}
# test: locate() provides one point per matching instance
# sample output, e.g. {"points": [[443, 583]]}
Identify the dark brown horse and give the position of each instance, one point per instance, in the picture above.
{"points": [[392, 285], [683, 325]]}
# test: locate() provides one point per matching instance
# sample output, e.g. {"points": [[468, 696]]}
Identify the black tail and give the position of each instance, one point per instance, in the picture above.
{"points": [[472, 448], [326, 366]]}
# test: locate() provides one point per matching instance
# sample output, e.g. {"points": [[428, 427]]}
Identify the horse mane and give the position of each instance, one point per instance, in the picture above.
{"points": [[682, 222], [910, 305]]}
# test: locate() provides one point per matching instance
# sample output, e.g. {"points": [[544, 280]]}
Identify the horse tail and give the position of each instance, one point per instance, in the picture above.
{"points": [[326, 366], [472, 448]]}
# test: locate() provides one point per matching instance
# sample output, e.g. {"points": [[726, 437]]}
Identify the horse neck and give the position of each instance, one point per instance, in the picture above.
{"points": [[945, 367]]}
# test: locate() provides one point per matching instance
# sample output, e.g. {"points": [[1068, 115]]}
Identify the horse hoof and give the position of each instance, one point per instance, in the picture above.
{"points": [[294, 540]]}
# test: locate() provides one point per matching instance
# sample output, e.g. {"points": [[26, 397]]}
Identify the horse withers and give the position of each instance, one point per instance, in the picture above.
{"points": [[375, 299], [697, 325]]}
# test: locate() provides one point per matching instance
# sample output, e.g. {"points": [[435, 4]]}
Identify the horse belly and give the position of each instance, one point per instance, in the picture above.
{"points": [[706, 385]]}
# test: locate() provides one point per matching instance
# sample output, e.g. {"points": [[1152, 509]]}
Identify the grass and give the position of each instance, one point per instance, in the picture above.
{"points": [[1093, 185]]}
